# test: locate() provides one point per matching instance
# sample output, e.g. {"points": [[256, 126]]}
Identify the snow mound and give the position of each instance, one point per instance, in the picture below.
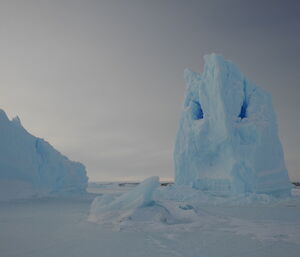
{"points": [[30, 166], [173, 208], [227, 142], [141, 207], [110, 209]]}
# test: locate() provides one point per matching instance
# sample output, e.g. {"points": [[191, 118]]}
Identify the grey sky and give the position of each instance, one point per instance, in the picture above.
{"points": [[102, 81]]}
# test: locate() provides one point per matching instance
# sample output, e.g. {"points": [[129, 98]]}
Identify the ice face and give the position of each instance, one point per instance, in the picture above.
{"points": [[107, 209], [227, 141], [33, 162]]}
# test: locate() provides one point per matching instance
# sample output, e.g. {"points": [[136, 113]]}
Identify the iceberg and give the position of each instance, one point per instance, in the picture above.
{"points": [[227, 152], [30, 166], [107, 208], [227, 141]]}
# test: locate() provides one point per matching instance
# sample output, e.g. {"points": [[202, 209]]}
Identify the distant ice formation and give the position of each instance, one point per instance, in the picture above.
{"points": [[31, 166], [227, 141]]}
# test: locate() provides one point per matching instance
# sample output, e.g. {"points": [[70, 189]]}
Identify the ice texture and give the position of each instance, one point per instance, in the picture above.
{"points": [[107, 208], [31, 166], [227, 141]]}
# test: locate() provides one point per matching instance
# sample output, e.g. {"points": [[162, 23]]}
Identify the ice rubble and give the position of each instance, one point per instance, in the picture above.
{"points": [[109, 208], [227, 141], [30, 166], [145, 205]]}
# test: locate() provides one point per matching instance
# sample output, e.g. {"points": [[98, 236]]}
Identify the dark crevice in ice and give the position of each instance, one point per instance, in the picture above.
{"points": [[197, 112], [243, 112]]}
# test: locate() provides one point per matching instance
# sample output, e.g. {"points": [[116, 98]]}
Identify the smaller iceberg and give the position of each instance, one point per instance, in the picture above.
{"points": [[107, 208]]}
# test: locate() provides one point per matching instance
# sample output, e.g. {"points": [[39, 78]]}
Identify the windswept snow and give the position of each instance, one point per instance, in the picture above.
{"points": [[30, 166], [181, 209], [58, 227]]}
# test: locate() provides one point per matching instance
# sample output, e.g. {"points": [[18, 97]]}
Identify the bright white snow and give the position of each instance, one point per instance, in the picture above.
{"points": [[58, 227]]}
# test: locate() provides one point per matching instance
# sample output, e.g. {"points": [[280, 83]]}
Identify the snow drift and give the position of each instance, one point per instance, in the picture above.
{"points": [[227, 141], [31, 166]]}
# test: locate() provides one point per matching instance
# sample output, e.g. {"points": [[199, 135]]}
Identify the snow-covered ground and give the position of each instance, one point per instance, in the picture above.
{"points": [[59, 227]]}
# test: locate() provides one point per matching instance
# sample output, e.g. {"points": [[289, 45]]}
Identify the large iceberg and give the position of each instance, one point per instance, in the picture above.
{"points": [[227, 141], [31, 166]]}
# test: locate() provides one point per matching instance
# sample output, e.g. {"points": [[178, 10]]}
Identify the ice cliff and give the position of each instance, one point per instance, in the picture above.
{"points": [[227, 141], [31, 166]]}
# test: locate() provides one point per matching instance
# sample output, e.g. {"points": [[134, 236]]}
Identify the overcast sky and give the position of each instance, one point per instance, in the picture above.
{"points": [[102, 81]]}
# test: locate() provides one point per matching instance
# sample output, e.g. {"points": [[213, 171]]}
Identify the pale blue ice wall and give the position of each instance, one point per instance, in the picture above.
{"points": [[227, 141], [24, 157]]}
